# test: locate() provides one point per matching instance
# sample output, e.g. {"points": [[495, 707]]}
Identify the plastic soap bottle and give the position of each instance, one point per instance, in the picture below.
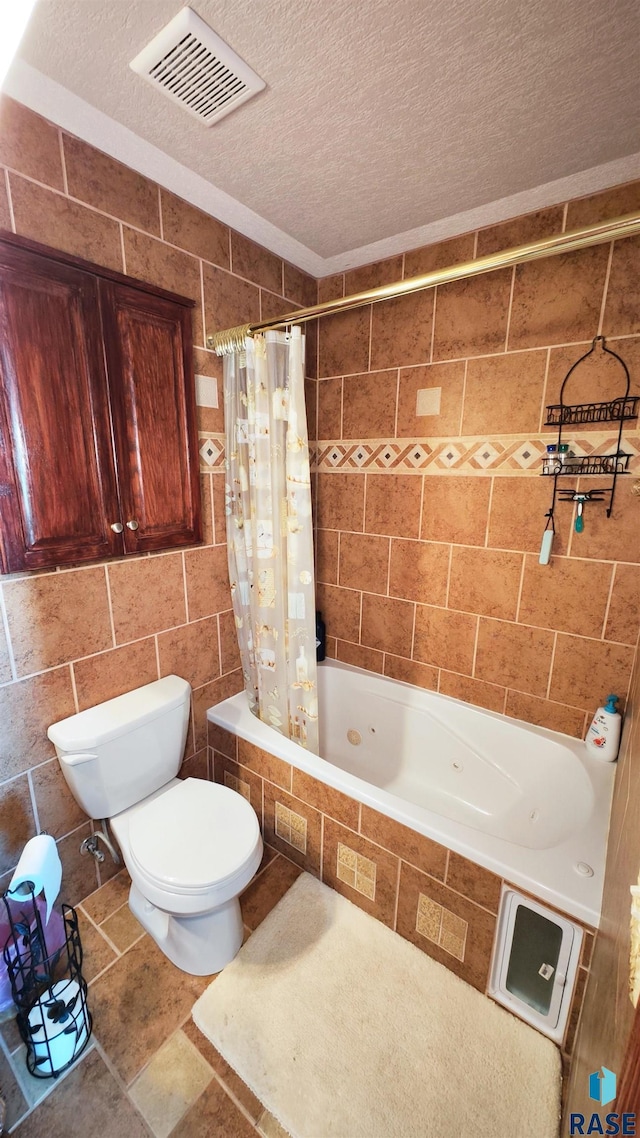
{"points": [[603, 736]]}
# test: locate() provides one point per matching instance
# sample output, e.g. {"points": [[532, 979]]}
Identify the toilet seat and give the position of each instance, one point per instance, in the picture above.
{"points": [[195, 837]]}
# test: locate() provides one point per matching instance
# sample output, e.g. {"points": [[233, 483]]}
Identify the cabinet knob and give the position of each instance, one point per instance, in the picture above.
{"points": [[132, 524], [117, 527]]}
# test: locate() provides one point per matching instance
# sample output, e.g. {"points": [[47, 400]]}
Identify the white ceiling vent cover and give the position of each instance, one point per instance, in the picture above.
{"points": [[190, 64]]}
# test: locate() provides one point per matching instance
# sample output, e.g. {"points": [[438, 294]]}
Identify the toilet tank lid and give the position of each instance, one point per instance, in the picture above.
{"points": [[106, 721]]}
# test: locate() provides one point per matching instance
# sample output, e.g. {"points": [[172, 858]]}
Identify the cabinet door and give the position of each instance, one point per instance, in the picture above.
{"points": [[58, 493], [148, 352]]}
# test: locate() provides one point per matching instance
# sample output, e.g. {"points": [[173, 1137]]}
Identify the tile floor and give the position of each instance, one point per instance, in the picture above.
{"points": [[149, 1071]]}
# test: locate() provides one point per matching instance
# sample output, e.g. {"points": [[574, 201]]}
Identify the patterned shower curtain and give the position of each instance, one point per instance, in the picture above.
{"points": [[269, 531]]}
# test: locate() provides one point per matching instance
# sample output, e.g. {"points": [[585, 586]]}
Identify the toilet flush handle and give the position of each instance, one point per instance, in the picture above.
{"points": [[79, 758]]}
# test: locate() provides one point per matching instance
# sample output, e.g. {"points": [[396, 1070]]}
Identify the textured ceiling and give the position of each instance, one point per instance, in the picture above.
{"points": [[378, 117]]}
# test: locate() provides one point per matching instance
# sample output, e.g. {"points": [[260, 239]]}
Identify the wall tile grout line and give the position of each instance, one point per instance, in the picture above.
{"points": [[184, 581], [449, 564], [545, 392], [74, 687], [63, 162], [463, 399], [160, 214], [9, 198], [34, 804], [110, 606], [397, 408], [394, 925], [551, 664], [433, 325], [413, 628], [520, 586], [475, 648], [219, 635], [488, 525], [605, 290], [203, 308], [5, 626], [609, 599], [509, 309]]}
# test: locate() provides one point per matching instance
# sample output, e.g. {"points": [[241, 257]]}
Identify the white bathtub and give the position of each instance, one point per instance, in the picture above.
{"points": [[527, 803]]}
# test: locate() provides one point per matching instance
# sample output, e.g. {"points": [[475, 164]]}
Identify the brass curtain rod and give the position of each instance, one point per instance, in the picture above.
{"points": [[232, 339]]}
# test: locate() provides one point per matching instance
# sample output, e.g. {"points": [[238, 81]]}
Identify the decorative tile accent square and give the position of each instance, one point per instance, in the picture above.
{"points": [[387, 456], [237, 784], [449, 456], [528, 455], [360, 456], [211, 452], [440, 925], [357, 871], [485, 455], [428, 401], [291, 827], [429, 918], [417, 455]]}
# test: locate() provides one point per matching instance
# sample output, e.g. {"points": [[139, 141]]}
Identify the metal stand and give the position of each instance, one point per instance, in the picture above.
{"points": [[48, 988]]}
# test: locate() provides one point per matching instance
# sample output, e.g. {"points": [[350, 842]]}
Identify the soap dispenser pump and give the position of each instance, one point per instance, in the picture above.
{"points": [[603, 736]]}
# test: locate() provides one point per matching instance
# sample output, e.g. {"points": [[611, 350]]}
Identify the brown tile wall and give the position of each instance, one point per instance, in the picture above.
{"points": [[429, 525], [72, 638], [442, 902]]}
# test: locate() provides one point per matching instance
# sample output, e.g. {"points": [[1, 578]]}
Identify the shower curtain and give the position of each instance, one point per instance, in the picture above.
{"points": [[269, 531]]}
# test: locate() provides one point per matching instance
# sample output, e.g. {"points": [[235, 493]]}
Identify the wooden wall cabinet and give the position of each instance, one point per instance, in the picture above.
{"points": [[98, 440]]}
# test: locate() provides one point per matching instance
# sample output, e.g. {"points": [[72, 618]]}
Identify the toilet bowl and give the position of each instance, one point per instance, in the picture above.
{"points": [[191, 846]]}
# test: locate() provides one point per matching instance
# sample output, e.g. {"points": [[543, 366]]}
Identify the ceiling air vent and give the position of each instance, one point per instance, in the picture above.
{"points": [[190, 64]]}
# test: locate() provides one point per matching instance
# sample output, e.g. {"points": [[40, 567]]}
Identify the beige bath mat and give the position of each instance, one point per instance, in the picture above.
{"points": [[345, 1030]]}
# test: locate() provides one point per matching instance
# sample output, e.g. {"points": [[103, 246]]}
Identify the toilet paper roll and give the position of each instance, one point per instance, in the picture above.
{"points": [[40, 865]]}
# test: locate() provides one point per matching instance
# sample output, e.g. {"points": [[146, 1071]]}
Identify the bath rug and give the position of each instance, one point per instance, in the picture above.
{"points": [[345, 1030]]}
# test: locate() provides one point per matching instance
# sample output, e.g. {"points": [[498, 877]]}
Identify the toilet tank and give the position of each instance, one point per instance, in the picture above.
{"points": [[116, 753]]}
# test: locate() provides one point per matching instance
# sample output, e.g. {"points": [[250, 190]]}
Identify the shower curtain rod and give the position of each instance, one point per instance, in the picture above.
{"points": [[232, 339]]}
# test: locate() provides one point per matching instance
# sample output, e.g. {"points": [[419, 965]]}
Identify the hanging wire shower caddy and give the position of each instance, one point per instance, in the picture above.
{"points": [[619, 410]]}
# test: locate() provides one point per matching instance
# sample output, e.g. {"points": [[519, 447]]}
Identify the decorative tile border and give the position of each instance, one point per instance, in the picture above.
{"points": [[504, 455], [291, 827], [469, 455], [357, 871], [441, 926]]}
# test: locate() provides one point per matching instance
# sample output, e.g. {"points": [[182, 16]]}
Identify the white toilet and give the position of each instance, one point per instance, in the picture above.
{"points": [[190, 846]]}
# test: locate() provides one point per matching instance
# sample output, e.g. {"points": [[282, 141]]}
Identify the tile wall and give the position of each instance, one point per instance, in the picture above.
{"points": [[442, 902], [430, 508], [72, 638]]}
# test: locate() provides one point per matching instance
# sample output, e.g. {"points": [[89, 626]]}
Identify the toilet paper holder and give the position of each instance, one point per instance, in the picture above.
{"points": [[47, 985]]}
